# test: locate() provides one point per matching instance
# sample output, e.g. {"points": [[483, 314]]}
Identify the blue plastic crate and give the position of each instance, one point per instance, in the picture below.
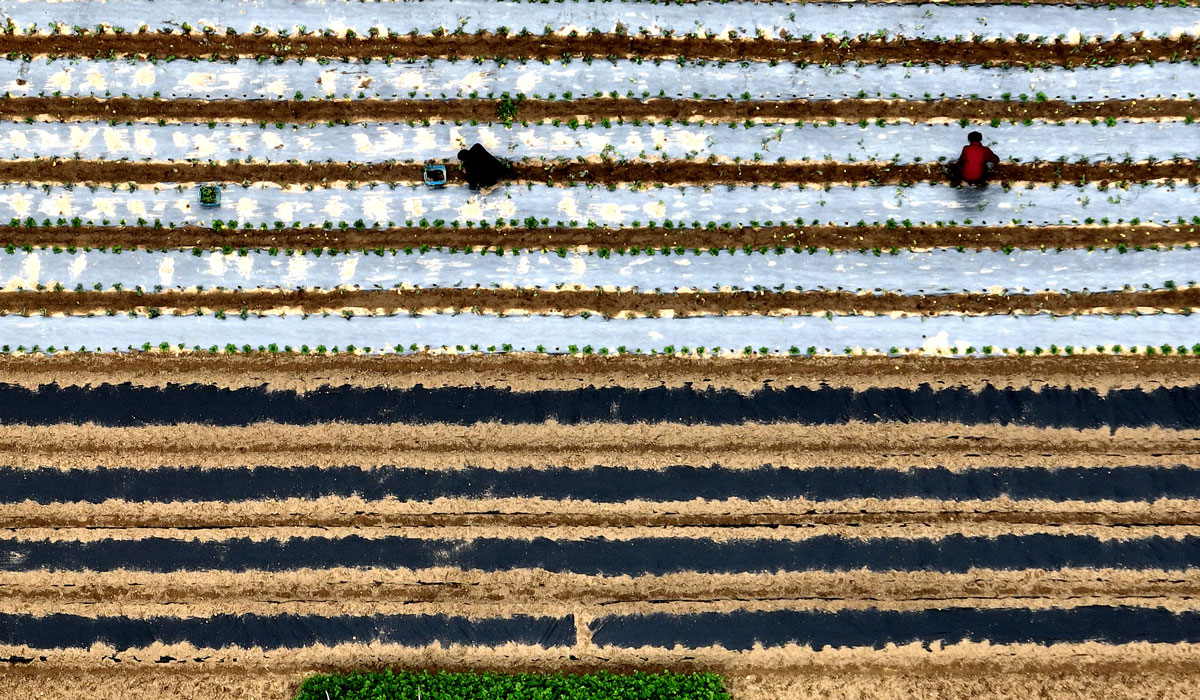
{"points": [[435, 175], [210, 189]]}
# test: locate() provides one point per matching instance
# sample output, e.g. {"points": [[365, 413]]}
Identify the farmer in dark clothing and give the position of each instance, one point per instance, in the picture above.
{"points": [[971, 166], [481, 168]]}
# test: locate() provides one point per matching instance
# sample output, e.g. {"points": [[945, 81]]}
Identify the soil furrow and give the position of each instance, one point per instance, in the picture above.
{"points": [[492, 513], [644, 445], [563, 548], [481, 300], [475, 587], [527, 371], [1056, 52], [673, 172], [66, 109], [207, 681], [538, 607], [764, 238], [969, 659]]}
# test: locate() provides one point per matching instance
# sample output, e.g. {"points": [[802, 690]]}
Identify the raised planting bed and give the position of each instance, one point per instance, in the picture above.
{"points": [[502, 686], [875, 139], [940, 271], [439, 79], [705, 19]]}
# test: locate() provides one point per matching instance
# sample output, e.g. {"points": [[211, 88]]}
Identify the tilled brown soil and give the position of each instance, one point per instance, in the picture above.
{"points": [[573, 302], [448, 584], [543, 607], [963, 659], [593, 108], [332, 512], [673, 172], [954, 446], [763, 238], [606, 46], [878, 684], [531, 371]]}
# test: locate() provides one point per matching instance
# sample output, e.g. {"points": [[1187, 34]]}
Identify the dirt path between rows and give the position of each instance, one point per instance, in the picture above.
{"points": [[640, 172], [171, 681], [954, 446], [493, 513], [762, 238], [946, 665], [476, 586], [67, 109], [531, 371], [537, 47], [501, 301]]}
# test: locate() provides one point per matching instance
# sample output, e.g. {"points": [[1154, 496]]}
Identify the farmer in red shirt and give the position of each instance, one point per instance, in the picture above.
{"points": [[971, 166]]}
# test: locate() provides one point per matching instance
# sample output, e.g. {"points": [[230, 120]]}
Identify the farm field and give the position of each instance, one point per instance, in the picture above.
{"points": [[725, 376]]}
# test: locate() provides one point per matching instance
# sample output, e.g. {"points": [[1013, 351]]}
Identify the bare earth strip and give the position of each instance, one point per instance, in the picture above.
{"points": [[67, 109], [853, 532], [954, 446], [475, 587], [508, 609], [534, 512], [969, 658], [877, 684], [533, 372], [1057, 52], [610, 304], [596, 170], [764, 238]]}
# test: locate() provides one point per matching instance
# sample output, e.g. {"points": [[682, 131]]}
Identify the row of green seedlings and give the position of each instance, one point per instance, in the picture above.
{"points": [[563, 251], [568, 95], [588, 350], [844, 40], [531, 223], [605, 154], [567, 58], [507, 116], [152, 312], [1169, 285], [1102, 185], [602, 251], [620, 29]]}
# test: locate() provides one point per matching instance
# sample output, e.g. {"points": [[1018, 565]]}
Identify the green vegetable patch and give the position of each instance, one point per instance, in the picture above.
{"points": [[405, 685]]}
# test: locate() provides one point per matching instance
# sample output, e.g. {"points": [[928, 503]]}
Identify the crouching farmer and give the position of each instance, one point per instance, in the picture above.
{"points": [[974, 164]]}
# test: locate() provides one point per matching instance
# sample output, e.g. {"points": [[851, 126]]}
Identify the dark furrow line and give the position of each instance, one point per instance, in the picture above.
{"points": [[127, 405], [482, 300], [674, 172], [526, 46], [742, 630], [67, 109], [764, 238], [602, 557], [283, 631], [213, 515], [599, 484]]}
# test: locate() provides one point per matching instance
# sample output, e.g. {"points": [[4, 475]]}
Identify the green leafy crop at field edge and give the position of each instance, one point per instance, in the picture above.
{"points": [[404, 685]]}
